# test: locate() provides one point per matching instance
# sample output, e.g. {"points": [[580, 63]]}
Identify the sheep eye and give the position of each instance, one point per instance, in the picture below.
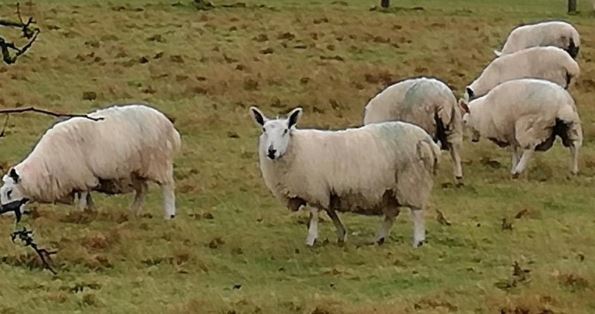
{"points": [[264, 130], [285, 132], [8, 193]]}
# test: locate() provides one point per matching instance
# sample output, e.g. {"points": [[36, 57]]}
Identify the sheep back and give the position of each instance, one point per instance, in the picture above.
{"points": [[552, 33], [547, 63], [427, 103]]}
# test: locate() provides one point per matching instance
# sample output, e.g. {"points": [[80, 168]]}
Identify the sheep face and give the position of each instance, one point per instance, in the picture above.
{"points": [[467, 120], [11, 190], [276, 133]]}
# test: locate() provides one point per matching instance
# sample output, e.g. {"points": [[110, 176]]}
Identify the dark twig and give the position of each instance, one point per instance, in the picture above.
{"points": [[26, 236], [47, 112], [30, 32], [19, 13], [14, 206]]}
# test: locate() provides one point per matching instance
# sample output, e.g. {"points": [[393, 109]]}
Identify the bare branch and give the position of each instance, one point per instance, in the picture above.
{"points": [[26, 236], [19, 13], [4, 46], [47, 112], [28, 31]]}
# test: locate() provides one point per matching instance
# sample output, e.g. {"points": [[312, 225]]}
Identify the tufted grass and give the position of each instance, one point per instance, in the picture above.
{"points": [[233, 248]]}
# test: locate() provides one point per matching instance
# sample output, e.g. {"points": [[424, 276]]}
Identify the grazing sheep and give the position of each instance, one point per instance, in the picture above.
{"points": [[548, 63], [133, 144], [553, 33], [526, 114], [427, 103], [372, 170]]}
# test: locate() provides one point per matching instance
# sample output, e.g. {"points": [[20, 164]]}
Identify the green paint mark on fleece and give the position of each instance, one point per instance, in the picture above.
{"points": [[415, 94], [392, 132]]}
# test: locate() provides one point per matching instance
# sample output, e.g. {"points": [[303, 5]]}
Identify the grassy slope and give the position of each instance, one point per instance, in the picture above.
{"points": [[230, 231]]}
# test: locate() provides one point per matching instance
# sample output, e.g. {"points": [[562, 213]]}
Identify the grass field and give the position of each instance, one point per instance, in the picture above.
{"points": [[233, 248]]}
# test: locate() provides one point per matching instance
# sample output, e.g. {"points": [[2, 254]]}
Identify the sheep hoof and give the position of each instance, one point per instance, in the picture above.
{"points": [[515, 175], [172, 216], [310, 242], [380, 241], [459, 182], [418, 243]]}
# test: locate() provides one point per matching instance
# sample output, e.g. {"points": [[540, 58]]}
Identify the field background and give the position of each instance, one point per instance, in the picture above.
{"points": [[233, 248]]}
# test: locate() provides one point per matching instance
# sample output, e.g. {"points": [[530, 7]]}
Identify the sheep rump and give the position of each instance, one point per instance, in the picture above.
{"points": [[132, 144], [548, 63], [553, 33], [427, 103]]}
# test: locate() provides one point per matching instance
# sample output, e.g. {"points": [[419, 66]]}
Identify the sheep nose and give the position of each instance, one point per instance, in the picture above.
{"points": [[271, 153]]}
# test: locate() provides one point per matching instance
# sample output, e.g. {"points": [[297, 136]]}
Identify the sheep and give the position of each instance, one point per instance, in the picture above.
{"points": [[132, 145], [427, 103], [371, 170], [526, 114], [552, 33], [548, 63]]}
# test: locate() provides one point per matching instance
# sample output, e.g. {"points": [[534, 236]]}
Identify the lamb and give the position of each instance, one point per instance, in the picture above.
{"points": [[552, 33], [371, 170], [526, 114], [427, 103], [548, 63], [132, 145]]}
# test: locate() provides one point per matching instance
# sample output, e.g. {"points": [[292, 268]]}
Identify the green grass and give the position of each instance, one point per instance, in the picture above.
{"points": [[230, 231]]}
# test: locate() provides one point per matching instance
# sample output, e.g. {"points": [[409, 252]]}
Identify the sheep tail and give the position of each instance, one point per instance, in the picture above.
{"points": [[497, 53], [429, 153]]}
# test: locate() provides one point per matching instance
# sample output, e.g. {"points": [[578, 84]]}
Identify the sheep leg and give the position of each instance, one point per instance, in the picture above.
{"points": [[456, 160], [527, 154], [78, 200], [419, 229], [340, 228], [140, 191], [387, 223], [90, 203], [312, 227], [515, 158], [85, 201], [169, 200], [385, 227], [574, 148]]}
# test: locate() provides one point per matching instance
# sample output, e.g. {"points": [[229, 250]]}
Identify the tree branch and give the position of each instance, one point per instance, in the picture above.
{"points": [[26, 237], [29, 32], [48, 112]]}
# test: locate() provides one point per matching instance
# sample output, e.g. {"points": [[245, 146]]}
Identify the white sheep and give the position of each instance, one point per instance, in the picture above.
{"points": [[427, 103], [552, 33], [372, 170], [526, 114], [547, 63], [132, 145]]}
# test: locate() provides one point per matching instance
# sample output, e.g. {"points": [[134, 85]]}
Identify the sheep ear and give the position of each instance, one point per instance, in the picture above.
{"points": [[258, 116], [294, 117], [463, 105], [14, 175], [470, 93]]}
